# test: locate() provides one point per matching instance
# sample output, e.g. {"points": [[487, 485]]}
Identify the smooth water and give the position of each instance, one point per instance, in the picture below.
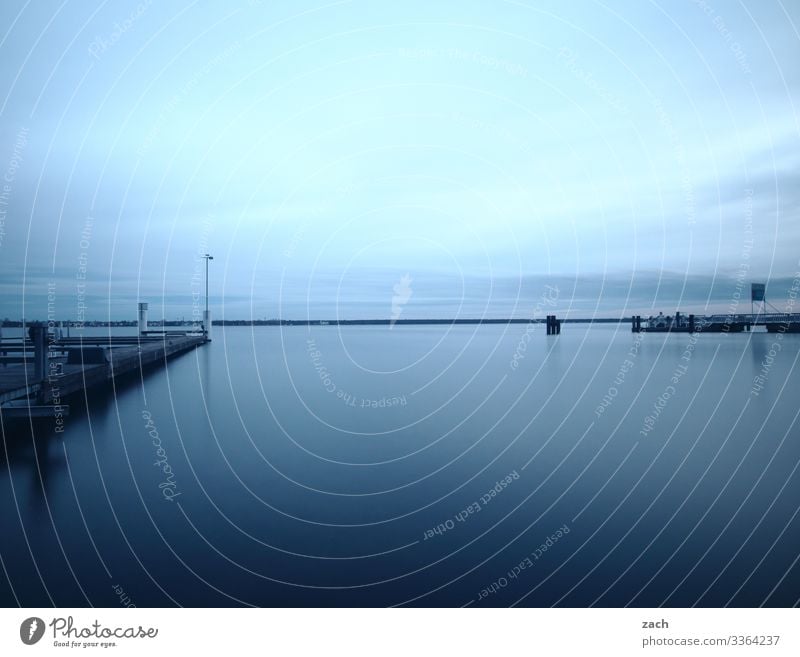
{"points": [[359, 466]]}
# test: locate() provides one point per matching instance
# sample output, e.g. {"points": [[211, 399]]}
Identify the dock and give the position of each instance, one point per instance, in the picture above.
{"points": [[681, 323], [41, 369], [77, 364]]}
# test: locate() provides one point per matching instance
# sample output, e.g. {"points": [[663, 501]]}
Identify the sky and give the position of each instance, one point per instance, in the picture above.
{"points": [[618, 157]]}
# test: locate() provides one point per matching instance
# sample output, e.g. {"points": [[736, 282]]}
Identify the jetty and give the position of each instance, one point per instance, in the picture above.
{"points": [[43, 367], [680, 323]]}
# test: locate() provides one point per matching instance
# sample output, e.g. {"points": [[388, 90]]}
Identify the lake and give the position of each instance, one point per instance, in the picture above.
{"points": [[418, 465]]}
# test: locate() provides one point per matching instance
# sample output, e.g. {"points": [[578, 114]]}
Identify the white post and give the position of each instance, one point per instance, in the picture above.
{"points": [[142, 317]]}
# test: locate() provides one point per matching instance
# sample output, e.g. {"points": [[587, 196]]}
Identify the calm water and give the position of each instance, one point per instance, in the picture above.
{"points": [[417, 465]]}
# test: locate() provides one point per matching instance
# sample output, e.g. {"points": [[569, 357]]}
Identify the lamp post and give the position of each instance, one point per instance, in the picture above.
{"points": [[206, 314]]}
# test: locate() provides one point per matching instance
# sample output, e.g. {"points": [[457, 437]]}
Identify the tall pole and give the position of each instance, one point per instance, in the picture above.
{"points": [[206, 314]]}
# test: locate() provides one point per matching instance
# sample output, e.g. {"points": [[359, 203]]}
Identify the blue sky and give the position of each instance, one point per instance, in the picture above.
{"points": [[636, 154]]}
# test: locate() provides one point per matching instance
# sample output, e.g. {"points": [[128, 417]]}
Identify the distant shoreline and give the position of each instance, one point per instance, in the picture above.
{"points": [[323, 322], [403, 322]]}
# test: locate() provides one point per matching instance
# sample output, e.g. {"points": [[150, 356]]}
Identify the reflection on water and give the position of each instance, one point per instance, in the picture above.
{"points": [[416, 465]]}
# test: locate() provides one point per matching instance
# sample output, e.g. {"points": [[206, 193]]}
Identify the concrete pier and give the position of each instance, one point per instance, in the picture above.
{"points": [[50, 367], [85, 366]]}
